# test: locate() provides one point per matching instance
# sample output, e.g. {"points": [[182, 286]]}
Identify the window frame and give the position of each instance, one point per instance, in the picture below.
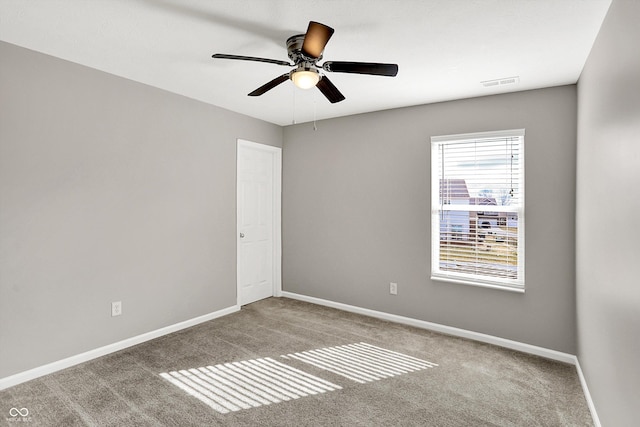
{"points": [[515, 285]]}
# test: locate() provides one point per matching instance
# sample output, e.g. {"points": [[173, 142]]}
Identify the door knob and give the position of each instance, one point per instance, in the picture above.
{"points": [[241, 235]]}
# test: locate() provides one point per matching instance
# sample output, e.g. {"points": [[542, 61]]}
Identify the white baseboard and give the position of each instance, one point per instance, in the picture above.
{"points": [[107, 349], [587, 395], [449, 330]]}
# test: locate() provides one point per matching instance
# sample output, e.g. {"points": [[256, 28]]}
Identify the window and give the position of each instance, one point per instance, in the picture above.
{"points": [[477, 208]]}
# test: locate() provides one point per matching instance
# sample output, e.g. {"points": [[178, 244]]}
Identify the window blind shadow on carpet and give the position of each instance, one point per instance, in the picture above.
{"points": [[231, 387], [362, 362]]}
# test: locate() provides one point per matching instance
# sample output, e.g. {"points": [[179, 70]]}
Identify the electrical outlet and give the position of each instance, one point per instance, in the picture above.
{"points": [[393, 288], [116, 308]]}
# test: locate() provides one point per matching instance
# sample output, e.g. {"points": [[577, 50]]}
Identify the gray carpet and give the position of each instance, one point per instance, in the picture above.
{"points": [[408, 377]]}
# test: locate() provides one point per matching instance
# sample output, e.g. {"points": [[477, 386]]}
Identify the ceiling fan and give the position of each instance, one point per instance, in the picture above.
{"points": [[305, 50]]}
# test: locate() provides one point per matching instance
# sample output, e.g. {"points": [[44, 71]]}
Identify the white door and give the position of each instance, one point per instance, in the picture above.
{"points": [[258, 234]]}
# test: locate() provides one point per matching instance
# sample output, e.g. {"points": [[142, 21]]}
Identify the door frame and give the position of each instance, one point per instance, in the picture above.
{"points": [[277, 214]]}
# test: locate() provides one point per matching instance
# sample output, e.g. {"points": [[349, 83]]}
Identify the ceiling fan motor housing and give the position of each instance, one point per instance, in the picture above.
{"points": [[294, 50]]}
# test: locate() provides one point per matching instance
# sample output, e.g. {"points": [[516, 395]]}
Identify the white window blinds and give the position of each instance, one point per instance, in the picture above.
{"points": [[478, 208]]}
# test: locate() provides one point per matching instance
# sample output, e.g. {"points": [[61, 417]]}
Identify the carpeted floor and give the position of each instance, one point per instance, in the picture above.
{"points": [[338, 369]]}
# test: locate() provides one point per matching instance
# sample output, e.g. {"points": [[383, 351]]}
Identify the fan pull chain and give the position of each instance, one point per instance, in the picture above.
{"points": [[293, 113], [314, 111]]}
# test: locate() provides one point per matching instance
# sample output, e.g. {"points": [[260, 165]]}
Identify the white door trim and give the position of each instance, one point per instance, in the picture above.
{"points": [[277, 215]]}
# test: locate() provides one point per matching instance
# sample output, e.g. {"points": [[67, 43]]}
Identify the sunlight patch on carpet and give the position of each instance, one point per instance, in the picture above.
{"points": [[361, 362], [248, 384]]}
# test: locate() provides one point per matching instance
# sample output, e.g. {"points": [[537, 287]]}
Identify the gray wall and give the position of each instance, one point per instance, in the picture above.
{"points": [[356, 215], [607, 229], [109, 191]]}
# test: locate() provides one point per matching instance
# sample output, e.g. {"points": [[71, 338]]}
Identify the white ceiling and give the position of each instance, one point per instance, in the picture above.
{"points": [[444, 48]]}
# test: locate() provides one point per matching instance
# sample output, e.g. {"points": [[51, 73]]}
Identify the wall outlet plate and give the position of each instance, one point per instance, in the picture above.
{"points": [[393, 288], [116, 308]]}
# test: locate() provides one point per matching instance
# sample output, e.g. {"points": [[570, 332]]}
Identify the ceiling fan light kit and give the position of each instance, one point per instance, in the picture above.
{"points": [[305, 78], [305, 50]]}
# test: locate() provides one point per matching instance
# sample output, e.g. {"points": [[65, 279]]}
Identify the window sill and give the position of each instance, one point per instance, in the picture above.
{"points": [[478, 284]]}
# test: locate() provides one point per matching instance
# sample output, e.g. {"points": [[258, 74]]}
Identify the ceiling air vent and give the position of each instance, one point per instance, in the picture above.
{"points": [[501, 82]]}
